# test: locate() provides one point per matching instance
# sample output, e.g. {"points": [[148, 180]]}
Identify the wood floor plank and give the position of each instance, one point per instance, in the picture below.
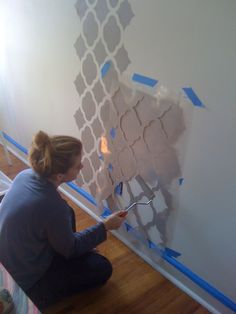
{"points": [[135, 287]]}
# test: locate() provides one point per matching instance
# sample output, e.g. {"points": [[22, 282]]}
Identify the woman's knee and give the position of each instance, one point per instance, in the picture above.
{"points": [[108, 269], [103, 267]]}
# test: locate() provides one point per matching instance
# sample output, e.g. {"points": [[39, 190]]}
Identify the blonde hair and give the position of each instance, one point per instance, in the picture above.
{"points": [[51, 155]]}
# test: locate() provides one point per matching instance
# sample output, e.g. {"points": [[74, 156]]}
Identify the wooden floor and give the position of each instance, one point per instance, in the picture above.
{"points": [[135, 287]]}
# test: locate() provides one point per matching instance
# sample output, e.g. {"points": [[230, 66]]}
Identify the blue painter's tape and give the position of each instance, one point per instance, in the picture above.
{"points": [[105, 68], [151, 245], [193, 97], [82, 192], [171, 252], [119, 188], [106, 213], [101, 157], [181, 181], [110, 167], [113, 133], [128, 227], [200, 282], [10, 140], [136, 234], [172, 261], [144, 80]]}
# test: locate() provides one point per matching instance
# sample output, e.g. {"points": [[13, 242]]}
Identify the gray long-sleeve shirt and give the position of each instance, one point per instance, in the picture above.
{"points": [[35, 224]]}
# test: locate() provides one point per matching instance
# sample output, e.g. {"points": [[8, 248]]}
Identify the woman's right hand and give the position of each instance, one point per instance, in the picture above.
{"points": [[114, 221]]}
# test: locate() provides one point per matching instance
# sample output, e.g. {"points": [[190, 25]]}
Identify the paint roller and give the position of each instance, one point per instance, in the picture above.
{"points": [[148, 193]]}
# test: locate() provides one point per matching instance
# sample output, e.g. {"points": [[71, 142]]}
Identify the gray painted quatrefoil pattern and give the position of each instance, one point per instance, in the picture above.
{"points": [[102, 26]]}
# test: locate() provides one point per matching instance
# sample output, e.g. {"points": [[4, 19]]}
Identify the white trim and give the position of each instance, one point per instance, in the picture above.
{"points": [[4, 144], [18, 154], [5, 183]]}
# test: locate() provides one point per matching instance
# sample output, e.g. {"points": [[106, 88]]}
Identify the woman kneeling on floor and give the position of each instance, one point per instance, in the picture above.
{"points": [[39, 245]]}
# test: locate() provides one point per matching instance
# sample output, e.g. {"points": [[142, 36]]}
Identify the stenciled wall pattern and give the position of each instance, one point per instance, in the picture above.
{"points": [[128, 134], [100, 40]]}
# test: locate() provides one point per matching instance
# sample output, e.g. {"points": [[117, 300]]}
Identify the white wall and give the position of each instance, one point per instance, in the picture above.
{"points": [[40, 67], [193, 43], [180, 43]]}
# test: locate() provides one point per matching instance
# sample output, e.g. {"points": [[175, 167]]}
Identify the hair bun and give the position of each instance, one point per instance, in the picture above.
{"points": [[42, 141]]}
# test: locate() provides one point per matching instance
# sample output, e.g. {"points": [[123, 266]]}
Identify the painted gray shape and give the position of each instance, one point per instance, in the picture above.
{"points": [[112, 203], [93, 189], [105, 112], [111, 34], [81, 8], [79, 84], [80, 47], [155, 138], [90, 28], [114, 3], [163, 106], [144, 162], [116, 173], [119, 141], [79, 118], [97, 128], [101, 10], [143, 226], [173, 123], [95, 161], [130, 126], [110, 80], [87, 139], [87, 170], [125, 13], [161, 223], [119, 102], [100, 52], [108, 115], [127, 163], [89, 69], [79, 180], [98, 92], [88, 106], [146, 189], [146, 109], [122, 59]]}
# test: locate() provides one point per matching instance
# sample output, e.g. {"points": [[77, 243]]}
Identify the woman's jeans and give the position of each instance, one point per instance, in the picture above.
{"points": [[68, 276]]}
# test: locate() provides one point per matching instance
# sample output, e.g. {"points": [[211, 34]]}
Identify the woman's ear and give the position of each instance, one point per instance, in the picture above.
{"points": [[59, 178]]}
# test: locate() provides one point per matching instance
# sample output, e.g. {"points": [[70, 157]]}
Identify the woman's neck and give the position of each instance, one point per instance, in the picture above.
{"points": [[55, 180]]}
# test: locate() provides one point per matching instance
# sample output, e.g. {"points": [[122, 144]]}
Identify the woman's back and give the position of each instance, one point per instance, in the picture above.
{"points": [[25, 212]]}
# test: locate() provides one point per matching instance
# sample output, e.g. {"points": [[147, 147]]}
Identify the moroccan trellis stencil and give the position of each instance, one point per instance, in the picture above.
{"points": [[102, 26], [128, 135]]}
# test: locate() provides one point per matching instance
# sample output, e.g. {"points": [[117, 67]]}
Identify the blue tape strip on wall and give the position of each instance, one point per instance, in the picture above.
{"points": [[10, 140], [113, 133], [193, 97], [165, 254], [105, 68], [144, 80]]}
